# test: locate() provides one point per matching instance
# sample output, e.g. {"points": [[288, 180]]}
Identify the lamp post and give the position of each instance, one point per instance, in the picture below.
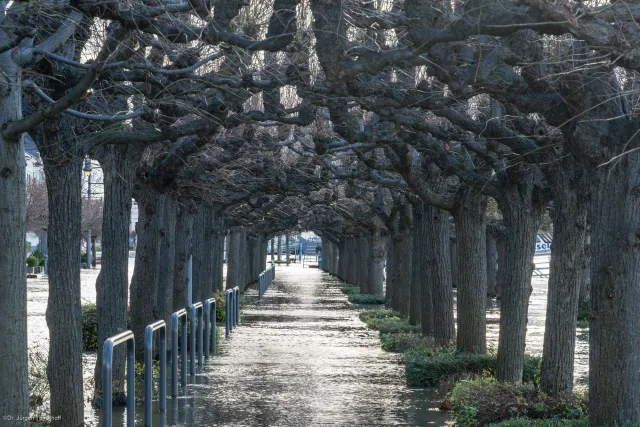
{"points": [[87, 171]]}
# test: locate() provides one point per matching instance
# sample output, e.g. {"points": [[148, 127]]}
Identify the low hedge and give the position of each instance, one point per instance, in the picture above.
{"points": [[402, 341], [89, 327], [528, 422], [485, 401], [366, 299], [428, 367], [350, 289]]}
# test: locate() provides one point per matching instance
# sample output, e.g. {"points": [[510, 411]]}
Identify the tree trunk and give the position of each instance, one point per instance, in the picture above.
{"points": [[569, 215], [14, 391], [64, 370], [417, 262], [377, 254], [439, 273], [522, 212], [422, 278], [363, 263], [585, 286], [234, 257], [342, 258], [352, 261], [326, 253], [402, 271], [287, 250], [166, 262], [471, 247], [453, 254], [112, 284], [501, 254], [614, 334], [144, 279], [218, 266], [279, 248], [204, 233], [390, 279], [183, 236], [492, 262]]}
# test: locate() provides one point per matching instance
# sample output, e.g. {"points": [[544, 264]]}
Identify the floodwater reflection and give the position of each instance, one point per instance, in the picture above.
{"points": [[301, 357]]}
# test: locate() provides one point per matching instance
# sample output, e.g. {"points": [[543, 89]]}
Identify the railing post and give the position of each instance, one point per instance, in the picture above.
{"points": [[148, 370], [180, 315], [107, 371], [196, 310], [236, 306], [227, 312], [210, 335]]}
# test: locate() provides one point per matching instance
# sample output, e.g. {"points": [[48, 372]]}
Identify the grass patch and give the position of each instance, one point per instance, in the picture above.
{"points": [[428, 367], [366, 299], [485, 401]]}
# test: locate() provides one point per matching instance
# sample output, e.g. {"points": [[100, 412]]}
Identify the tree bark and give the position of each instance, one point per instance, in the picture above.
{"points": [[203, 260], [492, 262], [183, 237], [342, 258], [166, 262], [144, 279], [112, 284], [417, 262], [614, 334], [363, 263], [522, 211], [569, 215], [326, 253], [439, 272], [377, 254], [471, 247], [14, 391], [234, 257], [63, 173], [422, 278], [453, 255]]}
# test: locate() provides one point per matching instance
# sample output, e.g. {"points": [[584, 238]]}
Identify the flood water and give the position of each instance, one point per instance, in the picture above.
{"points": [[301, 357]]}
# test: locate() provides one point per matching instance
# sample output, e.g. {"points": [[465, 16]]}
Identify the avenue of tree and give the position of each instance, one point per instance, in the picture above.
{"points": [[388, 127]]}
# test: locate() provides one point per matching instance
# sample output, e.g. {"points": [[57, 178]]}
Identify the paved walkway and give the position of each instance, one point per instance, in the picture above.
{"points": [[301, 357]]}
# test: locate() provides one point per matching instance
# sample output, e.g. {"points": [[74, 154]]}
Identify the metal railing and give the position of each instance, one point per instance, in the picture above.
{"points": [[205, 314], [161, 326], [265, 279], [180, 315], [228, 311], [210, 335], [196, 311], [107, 372], [236, 306]]}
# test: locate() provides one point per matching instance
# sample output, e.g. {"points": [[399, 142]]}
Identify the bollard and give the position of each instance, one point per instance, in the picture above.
{"points": [[148, 369], [236, 306], [182, 316], [107, 372], [196, 310], [227, 311], [209, 318]]}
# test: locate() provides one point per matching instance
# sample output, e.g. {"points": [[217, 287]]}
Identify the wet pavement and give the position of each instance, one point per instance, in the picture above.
{"points": [[301, 357]]}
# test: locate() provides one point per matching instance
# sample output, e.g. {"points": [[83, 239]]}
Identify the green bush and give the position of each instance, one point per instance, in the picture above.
{"points": [[366, 299], [367, 315], [89, 327], [528, 422], [350, 290], [392, 325], [32, 261], [39, 256], [485, 401], [401, 342], [221, 304], [427, 367]]}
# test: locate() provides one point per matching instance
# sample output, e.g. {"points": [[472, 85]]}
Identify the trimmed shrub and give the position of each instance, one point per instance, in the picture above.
{"points": [[527, 422], [401, 342], [350, 289], [485, 401], [427, 367], [38, 255], [367, 315], [32, 261], [366, 299], [89, 327]]}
